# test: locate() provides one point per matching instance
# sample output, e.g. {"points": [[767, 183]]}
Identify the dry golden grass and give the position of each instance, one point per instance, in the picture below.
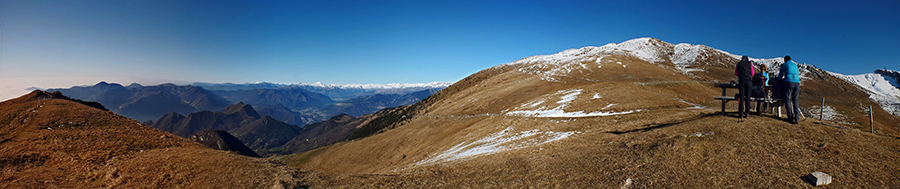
{"points": [[57, 143], [669, 143], [762, 152], [653, 147]]}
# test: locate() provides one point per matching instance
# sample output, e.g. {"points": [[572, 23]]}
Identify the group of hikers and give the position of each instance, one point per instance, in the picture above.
{"points": [[786, 85]]}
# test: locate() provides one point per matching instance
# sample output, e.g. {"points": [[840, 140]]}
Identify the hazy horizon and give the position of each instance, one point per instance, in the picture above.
{"points": [[51, 44], [15, 87]]}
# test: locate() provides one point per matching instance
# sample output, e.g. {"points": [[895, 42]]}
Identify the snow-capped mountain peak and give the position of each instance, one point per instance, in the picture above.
{"points": [[882, 86], [685, 58], [647, 49]]}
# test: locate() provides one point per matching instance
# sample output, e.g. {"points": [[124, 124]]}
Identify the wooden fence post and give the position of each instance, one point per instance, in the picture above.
{"points": [[871, 120], [822, 109]]}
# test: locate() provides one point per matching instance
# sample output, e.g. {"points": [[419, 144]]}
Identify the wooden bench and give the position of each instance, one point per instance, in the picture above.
{"points": [[770, 102]]}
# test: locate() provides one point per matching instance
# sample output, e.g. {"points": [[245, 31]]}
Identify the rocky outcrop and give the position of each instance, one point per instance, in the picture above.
{"points": [[262, 134], [221, 140], [38, 94]]}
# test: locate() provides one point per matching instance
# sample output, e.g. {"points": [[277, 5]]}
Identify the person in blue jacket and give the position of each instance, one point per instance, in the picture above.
{"points": [[765, 71], [790, 74], [760, 90]]}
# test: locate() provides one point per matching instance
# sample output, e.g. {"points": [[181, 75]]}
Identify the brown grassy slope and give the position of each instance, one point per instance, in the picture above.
{"points": [[657, 152], [330, 131], [480, 99], [759, 153], [474, 108], [58, 143]]}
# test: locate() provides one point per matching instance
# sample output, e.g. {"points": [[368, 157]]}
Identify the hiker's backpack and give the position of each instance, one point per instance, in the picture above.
{"points": [[774, 81], [777, 87], [759, 84]]}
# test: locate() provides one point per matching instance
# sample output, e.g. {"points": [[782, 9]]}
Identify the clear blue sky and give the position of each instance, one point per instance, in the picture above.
{"points": [[380, 41]]}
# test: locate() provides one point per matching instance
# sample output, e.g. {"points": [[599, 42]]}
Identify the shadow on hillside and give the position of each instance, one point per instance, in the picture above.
{"points": [[650, 127], [754, 114]]}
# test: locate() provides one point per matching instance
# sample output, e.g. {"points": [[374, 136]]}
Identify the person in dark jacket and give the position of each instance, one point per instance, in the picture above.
{"points": [[790, 75], [744, 71], [760, 90]]}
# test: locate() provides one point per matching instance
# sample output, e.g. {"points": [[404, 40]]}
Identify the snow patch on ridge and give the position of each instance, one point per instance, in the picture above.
{"points": [[830, 114], [647, 49], [566, 97], [685, 57], [558, 112], [504, 140], [695, 106], [608, 105], [553, 67], [569, 97], [880, 89]]}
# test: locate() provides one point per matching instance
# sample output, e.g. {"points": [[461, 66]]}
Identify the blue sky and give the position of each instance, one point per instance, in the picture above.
{"points": [[345, 42]]}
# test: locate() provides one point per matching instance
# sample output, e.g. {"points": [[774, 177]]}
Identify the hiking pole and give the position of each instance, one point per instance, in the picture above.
{"points": [[801, 111], [740, 115]]}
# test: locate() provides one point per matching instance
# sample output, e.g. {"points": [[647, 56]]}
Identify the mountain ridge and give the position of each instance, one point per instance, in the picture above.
{"points": [[221, 140], [292, 104], [882, 85], [607, 115], [148, 102], [61, 143], [334, 91], [241, 120]]}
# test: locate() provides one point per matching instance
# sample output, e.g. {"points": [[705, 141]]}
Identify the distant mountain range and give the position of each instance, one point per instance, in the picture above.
{"points": [[265, 135], [148, 102], [333, 91], [272, 125], [369, 104], [241, 120], [297, 104]]}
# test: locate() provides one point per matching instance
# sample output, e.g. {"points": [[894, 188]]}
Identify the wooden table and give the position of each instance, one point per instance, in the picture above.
{"points": [[725, 99]]}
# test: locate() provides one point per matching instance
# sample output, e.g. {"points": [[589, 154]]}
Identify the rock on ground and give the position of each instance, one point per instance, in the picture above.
{"points": [[818, 178]]}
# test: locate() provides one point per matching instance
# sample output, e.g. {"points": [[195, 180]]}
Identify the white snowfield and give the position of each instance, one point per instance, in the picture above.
{"points": [[565, 97], [504, 140], [883, 89]]}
